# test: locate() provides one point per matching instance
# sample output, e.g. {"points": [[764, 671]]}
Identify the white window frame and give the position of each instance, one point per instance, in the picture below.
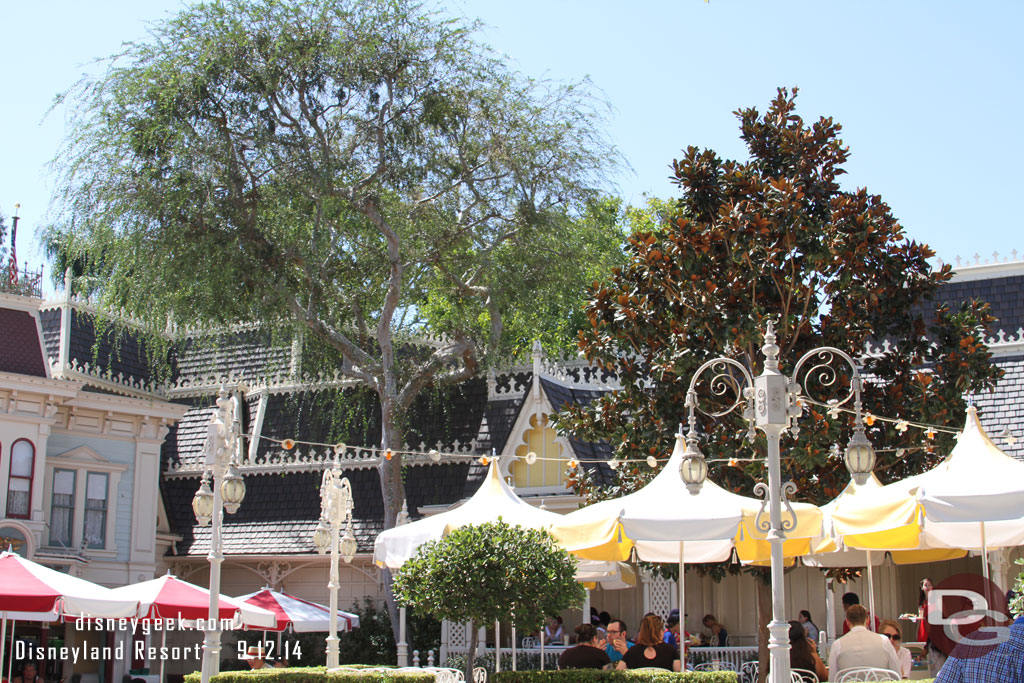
{"points": [[85, 460], [74, 487]]}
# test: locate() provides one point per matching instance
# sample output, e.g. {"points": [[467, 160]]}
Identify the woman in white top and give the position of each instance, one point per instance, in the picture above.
{"points": [[553, 631], [891, 630]]}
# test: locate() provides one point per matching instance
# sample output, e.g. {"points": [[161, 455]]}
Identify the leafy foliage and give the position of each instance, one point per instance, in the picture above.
{"points": [[374, 643], [490, 572], [364, 171], [775, 237], [1017, 604], [627, 676]]}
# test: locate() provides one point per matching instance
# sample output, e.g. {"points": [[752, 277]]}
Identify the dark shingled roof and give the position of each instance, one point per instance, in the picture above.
{"points": [[19, 339], [184, 443], [1004, 294], [250, 354], [117, 350], [50, 321], [280, 512], [1001, 409]]}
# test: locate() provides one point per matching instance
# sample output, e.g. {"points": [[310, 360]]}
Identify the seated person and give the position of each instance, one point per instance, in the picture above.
{"points": [[254, 655], [553, 630], [650, 650], [851, 599], [618, 640], [891, 630], [803, 652], [714, 634], [588, 654], [861, 647], [29, 674]]}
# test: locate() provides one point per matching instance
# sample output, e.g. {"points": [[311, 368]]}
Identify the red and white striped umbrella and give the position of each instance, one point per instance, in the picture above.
{"points": [[168, 597], [32, 592], [303, 616]]}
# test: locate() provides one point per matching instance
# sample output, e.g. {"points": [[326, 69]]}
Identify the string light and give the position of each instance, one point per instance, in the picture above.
{"points": [[869, 420], [652, 462], [484, 460], [288, 444]]}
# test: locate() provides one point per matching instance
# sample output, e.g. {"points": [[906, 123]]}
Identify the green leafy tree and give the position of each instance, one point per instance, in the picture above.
{"points": [[366, 172], [491, 572], [777, 237]]}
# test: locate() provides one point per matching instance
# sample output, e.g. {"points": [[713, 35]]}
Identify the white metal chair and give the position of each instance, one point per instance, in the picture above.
{"points": [[748, 672], [715, 665], [530, 641], [865, 673], [804, 676], [479, 675]]}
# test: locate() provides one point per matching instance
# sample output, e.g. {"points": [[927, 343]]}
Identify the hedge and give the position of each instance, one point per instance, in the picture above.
{"points": [[599, 676], [316, 674]]}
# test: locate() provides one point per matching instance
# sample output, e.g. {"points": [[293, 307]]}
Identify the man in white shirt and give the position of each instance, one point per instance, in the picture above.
{"points": [[861, 647]]}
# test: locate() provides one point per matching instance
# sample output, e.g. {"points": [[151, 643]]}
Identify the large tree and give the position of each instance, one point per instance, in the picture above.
{"points": [[365, 171], [776, 237]]}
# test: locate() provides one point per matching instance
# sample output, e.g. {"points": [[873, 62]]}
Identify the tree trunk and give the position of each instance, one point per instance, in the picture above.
{"points": [[391, 488], [471, 653], [764, 615]]}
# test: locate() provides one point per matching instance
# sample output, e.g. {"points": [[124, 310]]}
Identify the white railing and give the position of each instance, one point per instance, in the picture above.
{"points": [[734, 656]]}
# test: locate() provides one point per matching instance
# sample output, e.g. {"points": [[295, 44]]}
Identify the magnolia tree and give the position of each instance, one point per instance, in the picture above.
{"points": [[776, 237], [488, 573]]}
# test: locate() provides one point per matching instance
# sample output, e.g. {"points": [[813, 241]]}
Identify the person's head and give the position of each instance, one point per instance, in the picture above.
{"points": [[29, 671], [800, 648], [709, 620], [926, 587], [605, 618], [254, 655], [804, 616], [673, 624], [651, 630], [797, 634], [586, 634], [554, 621], [616, 630], [850, 599], [891, 630], [856, 615]]}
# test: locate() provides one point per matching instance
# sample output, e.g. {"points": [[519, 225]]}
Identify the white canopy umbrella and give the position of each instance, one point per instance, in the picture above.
{"points": [[493, 500], [911, 513], [977, 483], [664, 522]]}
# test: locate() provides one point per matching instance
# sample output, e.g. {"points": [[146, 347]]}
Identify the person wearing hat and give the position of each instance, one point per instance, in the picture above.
{"points": [[254, 655]]}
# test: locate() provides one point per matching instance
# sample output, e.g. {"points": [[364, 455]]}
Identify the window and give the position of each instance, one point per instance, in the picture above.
{"points": [[96, 509], [62, 508], [549, 469], [19, 486]]}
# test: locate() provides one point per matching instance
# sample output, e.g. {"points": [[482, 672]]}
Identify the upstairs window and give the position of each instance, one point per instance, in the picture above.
{"points": [[96, 509], [62, 508], [19, 486]]}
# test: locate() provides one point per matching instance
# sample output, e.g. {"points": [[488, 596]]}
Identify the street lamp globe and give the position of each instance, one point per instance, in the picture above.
{"points": [[693, 468], [202, 503], [348, 546], [322, 538], [232, 490], [860, 456]]}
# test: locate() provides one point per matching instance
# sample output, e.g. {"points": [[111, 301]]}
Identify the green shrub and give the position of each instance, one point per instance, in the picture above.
{"points": [[316, 674], [598, 676]]}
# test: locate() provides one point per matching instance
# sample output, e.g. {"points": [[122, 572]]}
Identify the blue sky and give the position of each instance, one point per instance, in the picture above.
{"points": [[929, 93]]}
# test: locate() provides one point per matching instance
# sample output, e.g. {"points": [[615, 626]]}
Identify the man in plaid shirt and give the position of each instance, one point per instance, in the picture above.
{"points": [[1004, 664]]}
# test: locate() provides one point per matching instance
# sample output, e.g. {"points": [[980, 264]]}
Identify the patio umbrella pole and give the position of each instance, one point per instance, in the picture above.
{"points": [[3, 640], [984, 553], [542, 637], [871, 594], [497, 646], [163, 660], [682, 600], [514, 649], [10, 661]]}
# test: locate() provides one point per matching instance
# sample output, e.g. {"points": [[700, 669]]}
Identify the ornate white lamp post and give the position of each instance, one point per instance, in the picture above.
{"points": [[771, 404], [335, 510], [227, 493]]}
